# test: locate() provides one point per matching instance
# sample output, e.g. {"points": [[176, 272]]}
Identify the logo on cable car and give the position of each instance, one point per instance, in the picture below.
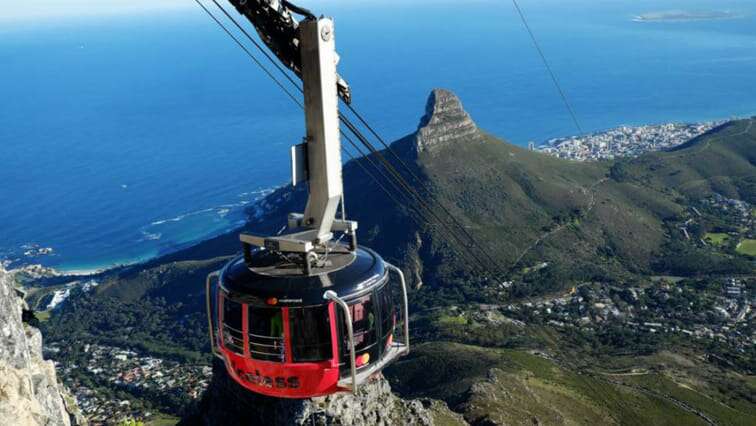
{"points": [[269, 382]]}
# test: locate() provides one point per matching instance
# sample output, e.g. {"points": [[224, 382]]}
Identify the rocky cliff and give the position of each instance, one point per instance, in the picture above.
{"points": [[227, 403], [445, 122], [29, 390]]}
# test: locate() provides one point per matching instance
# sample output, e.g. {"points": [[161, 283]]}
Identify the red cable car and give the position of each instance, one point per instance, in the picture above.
{"points": [[286, 334], [300, 314]]}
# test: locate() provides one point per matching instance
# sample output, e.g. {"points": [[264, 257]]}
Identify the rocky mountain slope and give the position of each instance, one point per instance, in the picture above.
{"points": [[445, 123], [226, 403], [29, 390]]}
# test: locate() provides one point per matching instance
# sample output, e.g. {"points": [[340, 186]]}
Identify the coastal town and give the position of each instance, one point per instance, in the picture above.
{"points": [[111, 384], [720, 310], [716, 308], [624, 141]]}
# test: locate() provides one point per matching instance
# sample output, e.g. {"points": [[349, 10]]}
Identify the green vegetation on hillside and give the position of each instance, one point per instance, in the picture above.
{"points": [[516, 387], [747, 247], [716, 238], [42, 316], [159, 311]]}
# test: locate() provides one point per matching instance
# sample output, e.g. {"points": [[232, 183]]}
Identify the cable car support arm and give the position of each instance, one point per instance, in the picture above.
{"points": [[308, 49]]}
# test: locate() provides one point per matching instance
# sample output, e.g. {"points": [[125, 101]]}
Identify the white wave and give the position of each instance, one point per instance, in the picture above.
{"points": [[181, 217], [259, 192], [223, 211], [173, 219], [151, 236]]}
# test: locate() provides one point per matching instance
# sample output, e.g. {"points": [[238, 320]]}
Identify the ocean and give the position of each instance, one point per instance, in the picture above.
{"points": [[126, 137]]}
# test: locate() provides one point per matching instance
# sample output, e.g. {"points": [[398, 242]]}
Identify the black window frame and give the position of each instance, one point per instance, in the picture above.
{"points": [[322, 349], [384, 297], [233, 338], [376, 348]]}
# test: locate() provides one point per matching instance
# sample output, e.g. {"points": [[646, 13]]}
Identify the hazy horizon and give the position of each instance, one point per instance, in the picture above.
{"points": [[43, 10]]}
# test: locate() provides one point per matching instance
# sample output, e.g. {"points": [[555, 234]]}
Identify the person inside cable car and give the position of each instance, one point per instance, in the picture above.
{"points": [[266, 337]]}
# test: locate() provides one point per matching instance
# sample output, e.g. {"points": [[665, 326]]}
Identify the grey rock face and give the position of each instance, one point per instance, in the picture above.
{"points": [[445, 122], [29, 390], [227, 403]]}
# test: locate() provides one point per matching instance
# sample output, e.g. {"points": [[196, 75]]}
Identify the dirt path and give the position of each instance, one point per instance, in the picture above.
{"points": [[591, 204]]}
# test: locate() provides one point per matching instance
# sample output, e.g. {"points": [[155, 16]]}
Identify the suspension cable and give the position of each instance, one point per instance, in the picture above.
{"points": [[402, 183], [244, 48], [548, 67], [413, 211], [364, 122], [422, 184], [387, 165], [414, 195], [258, 46]]}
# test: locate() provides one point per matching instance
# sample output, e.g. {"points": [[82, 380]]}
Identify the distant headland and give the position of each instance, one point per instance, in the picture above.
{"points": [[681, 15]]}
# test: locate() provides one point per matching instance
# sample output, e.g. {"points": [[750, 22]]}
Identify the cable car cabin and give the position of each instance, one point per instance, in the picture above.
{"points": [[286, 334]]}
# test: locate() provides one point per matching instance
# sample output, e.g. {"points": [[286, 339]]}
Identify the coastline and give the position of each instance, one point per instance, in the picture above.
{"points": [[88, 272], [626, 141], [34, 264], [39, 270]]}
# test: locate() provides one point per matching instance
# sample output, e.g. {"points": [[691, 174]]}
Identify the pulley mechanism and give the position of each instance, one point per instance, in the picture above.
{"points": [[308, 49]]}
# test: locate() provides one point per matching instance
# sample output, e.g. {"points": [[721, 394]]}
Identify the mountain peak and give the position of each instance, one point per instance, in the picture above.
{"points": [[445, 122]]}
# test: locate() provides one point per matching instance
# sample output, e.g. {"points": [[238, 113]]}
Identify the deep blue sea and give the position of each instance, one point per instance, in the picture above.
{"points": [[123, 137]]}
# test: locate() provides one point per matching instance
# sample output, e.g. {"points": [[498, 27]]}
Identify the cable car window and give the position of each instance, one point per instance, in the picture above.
{"points": [[364, 326], [388, 312], [310, 334], [266, 334], [233, 337]]}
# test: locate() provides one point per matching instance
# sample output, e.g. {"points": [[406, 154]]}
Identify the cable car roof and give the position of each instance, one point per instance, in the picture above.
{"points": [[363, 270]]}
